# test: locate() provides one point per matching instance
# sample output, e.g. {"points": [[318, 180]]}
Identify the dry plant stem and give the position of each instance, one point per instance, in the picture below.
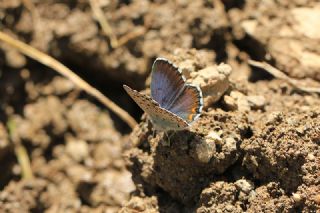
{"points": [[98, 13], [63, 70], [23, 160], [129, 36], [278, 74], [114, 41], [20, 152]]}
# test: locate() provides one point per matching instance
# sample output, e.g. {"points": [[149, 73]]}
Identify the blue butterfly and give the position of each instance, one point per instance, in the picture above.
{"points": [[173, 104]]}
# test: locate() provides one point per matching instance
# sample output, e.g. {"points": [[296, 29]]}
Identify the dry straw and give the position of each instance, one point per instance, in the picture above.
{"points": [[65, 71], [278, 74]]}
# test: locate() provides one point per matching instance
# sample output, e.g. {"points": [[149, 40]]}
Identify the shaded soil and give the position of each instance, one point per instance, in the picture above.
{"points": [[255, 148]]}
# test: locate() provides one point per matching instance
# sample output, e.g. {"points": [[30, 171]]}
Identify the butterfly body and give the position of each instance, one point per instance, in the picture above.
{"points": [[173, 104]]}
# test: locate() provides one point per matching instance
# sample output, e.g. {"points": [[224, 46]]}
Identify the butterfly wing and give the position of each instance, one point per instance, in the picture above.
{"points": [[167, 82], [169, 89], [188, 104], [160, 117]]}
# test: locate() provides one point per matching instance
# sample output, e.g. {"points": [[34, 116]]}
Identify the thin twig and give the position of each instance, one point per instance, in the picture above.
{"points": [[98, 13], [63, 70], [107, 29], [131, 35], [278, 74], [20, 151]]}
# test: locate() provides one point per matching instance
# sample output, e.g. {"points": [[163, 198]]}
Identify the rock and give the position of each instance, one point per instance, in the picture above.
{"points": [[289, 35], [245, 186], [256, 101], [213, 81], [237, 101], [296, 197], [230, 102], [307, 21], [230, 144], [206, 148]]}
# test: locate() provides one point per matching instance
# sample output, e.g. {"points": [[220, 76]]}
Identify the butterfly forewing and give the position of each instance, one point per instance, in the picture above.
{"points": [[161, 118], [167, 82]]}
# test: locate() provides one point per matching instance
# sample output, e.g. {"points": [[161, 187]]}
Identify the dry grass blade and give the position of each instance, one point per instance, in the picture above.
{"points": [[63, 70], [114, 41], [129, 36], [98, 13], [20, 152], [278, 74], [24, 161]]}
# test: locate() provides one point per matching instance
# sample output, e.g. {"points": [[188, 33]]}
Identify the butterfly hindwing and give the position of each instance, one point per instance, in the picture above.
{"points": [[167, 82], [188, 104], [160, 117]]}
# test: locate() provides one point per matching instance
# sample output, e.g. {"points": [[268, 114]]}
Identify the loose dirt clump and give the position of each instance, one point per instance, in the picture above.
{"points": [[74, 150], [236, 153], [182, 163], [287, 33], [280, 152], [58, 28]]}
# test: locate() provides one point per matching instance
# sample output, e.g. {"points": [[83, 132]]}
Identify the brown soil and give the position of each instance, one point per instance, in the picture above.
{"points": [[255, 148]]}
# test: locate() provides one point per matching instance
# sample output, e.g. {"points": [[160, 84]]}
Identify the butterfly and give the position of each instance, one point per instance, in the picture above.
{"points": [[174, 104]]}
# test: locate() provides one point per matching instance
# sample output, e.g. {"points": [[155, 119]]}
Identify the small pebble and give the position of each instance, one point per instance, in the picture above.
{"points": [[296, 197], [256, 101], [77, 149], [317, 199], [245, 185], [311, 157]]}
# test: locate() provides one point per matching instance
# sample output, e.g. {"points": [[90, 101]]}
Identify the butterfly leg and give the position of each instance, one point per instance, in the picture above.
{"points": [[166, 142], [153, 133], [168, 136]]}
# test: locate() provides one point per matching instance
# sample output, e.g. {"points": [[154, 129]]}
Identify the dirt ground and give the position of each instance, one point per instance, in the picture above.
{"points": [[255, 148]]}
